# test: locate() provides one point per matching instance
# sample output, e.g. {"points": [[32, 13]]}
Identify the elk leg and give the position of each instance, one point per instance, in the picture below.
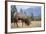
{"points": [[22, 24], [16, 24]]}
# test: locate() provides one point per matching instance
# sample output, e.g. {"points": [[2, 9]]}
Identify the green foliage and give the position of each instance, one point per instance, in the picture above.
{"points": [[13, 10], [32, 17], [21, 10]]}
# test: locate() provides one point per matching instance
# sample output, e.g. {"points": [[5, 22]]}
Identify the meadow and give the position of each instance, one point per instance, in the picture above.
{"points": [[32, 24]]}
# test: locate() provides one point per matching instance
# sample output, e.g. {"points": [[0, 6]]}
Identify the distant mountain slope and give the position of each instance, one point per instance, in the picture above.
{"points": [[36, 11]]}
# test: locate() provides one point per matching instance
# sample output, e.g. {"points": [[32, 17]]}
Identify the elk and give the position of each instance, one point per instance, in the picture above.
{"points": [[23, 18]]}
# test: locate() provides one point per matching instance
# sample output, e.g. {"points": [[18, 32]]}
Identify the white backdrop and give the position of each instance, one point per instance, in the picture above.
{"points": [[2, 18]]}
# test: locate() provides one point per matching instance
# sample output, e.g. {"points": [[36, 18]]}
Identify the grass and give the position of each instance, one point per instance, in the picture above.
{"points": [[32, 24]]}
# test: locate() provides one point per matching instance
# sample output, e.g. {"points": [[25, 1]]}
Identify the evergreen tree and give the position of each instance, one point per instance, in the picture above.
{"points": [[39, 17], [32, 17], [21, 10], [13, 10], [25, 13]]}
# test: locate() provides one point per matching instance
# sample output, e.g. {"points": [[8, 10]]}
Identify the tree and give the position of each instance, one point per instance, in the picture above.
{"points": [[13, 10], [25, 13], [39, 16], [32, 17], [21, 10]]}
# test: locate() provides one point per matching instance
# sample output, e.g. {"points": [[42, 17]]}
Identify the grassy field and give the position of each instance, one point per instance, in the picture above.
{"points": [[32, 24]]}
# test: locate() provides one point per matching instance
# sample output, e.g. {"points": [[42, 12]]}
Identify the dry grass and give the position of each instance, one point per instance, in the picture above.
{"points": [[32, 24], [36, 24]]}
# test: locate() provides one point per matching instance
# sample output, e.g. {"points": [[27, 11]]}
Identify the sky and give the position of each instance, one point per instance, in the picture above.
{"points": [[23, 7], [36, 10]]}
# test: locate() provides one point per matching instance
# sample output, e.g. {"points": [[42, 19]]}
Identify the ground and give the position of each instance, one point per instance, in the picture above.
{"points": [[32, 24]]}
